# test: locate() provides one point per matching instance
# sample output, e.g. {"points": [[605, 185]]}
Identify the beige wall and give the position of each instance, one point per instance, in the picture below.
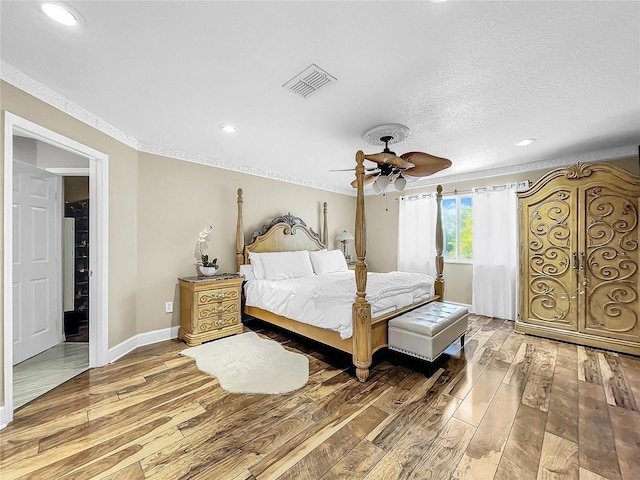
{"points": [[157, 207], [176, 200], [122, 205], [76, 188], [382, 224]]}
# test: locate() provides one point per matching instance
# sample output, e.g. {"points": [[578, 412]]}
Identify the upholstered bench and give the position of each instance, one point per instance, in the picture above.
{"points": [[428, 330]]}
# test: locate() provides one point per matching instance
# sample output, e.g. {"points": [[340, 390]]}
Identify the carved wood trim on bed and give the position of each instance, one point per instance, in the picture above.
{"points": [[325, 227], [289, 233], [286, 233], [239, 233], [439, 283], [362, 347]]}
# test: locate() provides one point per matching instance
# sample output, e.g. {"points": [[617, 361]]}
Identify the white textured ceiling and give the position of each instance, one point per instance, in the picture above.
{"points": [[468, 78]]}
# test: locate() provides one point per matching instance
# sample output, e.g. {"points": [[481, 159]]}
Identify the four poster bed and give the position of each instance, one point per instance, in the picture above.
{"points": [[364, 332]]}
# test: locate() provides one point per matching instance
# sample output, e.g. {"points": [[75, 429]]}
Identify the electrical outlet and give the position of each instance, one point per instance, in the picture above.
{"points": [[168, 307]]}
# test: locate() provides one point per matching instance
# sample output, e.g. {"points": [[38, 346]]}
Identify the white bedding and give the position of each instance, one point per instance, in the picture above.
{"points": [[325, 300]]}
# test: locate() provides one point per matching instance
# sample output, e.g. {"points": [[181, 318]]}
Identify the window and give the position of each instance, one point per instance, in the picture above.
{"points": [[457, 226]]}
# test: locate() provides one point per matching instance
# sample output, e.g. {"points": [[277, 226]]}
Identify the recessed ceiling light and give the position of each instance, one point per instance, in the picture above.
{"points": [[225, 127], [525, 142], [60, 13]]}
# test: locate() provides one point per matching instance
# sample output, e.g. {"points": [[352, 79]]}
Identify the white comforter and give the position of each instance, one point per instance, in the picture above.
{"points": [[325, 300]]}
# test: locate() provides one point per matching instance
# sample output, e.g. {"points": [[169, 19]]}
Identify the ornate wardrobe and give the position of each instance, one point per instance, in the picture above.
{"points": [[579, 257]]}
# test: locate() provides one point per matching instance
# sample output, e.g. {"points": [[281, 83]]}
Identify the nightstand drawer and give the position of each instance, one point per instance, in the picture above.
{"points": [[218, 322], [206, 311], [208, 297], [210, 307]]}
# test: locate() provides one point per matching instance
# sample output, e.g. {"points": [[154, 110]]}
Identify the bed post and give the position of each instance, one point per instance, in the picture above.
{"points": [[325, 231], [361, 309], [439, 283], [239, 234]]}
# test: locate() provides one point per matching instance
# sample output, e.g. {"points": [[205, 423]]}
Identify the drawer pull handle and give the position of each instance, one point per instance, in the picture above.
{"points": [[220, 295], [220, 309]]}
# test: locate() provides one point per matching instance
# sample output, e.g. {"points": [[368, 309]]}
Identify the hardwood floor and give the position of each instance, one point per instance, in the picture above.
{"points": [[506, 407]]}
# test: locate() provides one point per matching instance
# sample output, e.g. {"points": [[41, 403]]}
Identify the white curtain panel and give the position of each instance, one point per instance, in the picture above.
{"points": [[416, 235], [495, 249]]}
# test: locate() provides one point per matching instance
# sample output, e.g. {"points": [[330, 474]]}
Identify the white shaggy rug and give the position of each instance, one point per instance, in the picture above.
{"points": [[246, 363]]}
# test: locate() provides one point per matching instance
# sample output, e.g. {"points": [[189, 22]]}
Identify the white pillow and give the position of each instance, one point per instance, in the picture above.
{"points": [[247, 272], [283, 265], [256, 263], [328, 261]]}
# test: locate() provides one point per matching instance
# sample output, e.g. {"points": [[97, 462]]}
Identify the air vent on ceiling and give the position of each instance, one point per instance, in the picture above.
{"points": [[309, 80]]}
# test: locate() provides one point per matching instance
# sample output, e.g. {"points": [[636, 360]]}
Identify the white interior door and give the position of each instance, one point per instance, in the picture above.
{"points": [[37, 295]]}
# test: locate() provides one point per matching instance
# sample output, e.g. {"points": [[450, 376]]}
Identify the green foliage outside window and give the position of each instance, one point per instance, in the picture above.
{"points": [[457, 226], [450, 227], [466, 228]]}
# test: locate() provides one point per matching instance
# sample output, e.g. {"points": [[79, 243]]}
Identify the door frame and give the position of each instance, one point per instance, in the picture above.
{"points": [[98, 254]]}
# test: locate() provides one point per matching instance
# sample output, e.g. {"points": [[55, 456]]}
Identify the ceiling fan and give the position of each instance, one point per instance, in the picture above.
{"points": [[393, 169]]}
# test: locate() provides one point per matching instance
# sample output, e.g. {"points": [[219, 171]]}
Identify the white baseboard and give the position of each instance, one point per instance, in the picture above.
{"points": [[139, 340], [3, 422]]}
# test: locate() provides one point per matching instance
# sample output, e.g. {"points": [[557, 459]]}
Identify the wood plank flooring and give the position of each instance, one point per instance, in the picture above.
{"points": [[506, 406]]}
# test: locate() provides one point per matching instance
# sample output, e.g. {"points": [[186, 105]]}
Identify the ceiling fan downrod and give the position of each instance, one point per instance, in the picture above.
{"points": [[386, 139]]}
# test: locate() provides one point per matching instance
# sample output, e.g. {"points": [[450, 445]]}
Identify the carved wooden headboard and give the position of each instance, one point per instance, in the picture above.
{"points": [[286, 233]]}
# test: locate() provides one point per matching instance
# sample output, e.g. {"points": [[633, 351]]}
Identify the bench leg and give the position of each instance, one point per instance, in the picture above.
{"points": [[462, 340]]}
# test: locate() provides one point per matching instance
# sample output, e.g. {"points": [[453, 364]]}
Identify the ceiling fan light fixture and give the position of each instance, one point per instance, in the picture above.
{"points": [[376, 188], [400, 183], [382, 182]]}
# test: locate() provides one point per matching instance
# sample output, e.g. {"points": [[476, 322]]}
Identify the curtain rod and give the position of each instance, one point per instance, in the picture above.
{"points": [[492, 188]]}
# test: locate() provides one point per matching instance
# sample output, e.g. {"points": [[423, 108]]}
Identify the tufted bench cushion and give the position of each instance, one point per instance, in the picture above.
{"points": [[428, 330]]}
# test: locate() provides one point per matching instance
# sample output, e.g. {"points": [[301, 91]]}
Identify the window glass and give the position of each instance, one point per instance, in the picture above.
{"points": [[449, 225], [466, 228], [458, 228]]}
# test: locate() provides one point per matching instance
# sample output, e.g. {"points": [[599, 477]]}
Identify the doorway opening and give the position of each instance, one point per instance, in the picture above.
{"points": [[76, 248], [96, 269]]}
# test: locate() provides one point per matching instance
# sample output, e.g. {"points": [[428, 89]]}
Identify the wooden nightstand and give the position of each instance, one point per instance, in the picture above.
{"points": [[351, 266], [209, 307]]}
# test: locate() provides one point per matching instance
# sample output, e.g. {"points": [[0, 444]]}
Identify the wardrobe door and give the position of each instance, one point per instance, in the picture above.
{"points": [[610, 272], [548, 261]]}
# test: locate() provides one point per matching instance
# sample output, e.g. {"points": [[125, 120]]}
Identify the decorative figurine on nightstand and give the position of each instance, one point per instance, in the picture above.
{"points": [[205, 267]]}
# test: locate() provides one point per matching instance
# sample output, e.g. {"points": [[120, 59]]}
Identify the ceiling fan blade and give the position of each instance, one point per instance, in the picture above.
{"points": [[424, 164], [367, 180], [388, 159]]}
